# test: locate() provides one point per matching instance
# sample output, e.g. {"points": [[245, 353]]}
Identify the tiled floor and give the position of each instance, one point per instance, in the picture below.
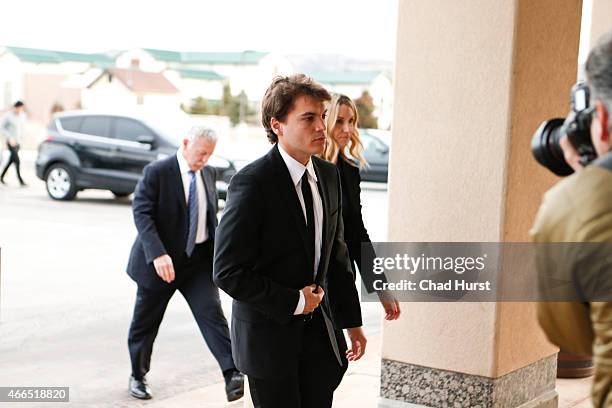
{"points": [[574, 392]]}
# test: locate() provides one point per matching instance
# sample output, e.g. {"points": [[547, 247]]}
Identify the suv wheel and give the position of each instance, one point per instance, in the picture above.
{"points": [[60, 182]]}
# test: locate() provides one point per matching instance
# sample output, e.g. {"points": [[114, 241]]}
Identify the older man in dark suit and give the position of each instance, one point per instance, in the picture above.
{"points": [[175, 207], [281, 255]]}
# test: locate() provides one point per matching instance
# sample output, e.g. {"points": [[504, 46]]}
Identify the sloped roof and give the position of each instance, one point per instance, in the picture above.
{"points": [[345, 78], [140, 81], [237, 58], [200, 74], [56, 57], [163, 55]]}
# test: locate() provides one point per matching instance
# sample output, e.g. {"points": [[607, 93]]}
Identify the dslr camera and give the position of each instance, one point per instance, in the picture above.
{"points": [[576, 126]]}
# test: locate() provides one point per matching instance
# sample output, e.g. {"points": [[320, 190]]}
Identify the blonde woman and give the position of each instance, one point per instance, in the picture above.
{"points": [[344, 148]]}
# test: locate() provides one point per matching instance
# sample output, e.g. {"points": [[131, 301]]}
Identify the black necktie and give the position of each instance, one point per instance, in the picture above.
{"points": [[310, 222], [310, 228]]}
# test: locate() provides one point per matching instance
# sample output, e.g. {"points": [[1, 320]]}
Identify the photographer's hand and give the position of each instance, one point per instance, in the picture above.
{"points": [[570, 154]]}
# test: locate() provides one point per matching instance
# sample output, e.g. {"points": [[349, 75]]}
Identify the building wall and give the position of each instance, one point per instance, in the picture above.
{"points": [[42, 91], [115, 96], [105, 95], [39, 85], [253, 79], [192, 88]]}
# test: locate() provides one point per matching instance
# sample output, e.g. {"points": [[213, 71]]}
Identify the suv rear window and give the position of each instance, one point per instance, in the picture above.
{"points": [[95, 125], [71, 124]]}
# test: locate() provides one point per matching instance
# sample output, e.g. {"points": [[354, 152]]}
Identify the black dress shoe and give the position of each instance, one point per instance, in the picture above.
{"points": [[234, 386], [139, 388]]}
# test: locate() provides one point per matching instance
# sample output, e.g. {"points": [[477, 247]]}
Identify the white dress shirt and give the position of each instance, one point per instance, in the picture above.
{"points": [[296, 170], [201, 232]]}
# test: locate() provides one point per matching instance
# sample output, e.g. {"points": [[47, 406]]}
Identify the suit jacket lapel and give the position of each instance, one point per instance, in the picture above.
{"points": [[209, 193], [289, 195], [346, 178], [324, 244], [180, 190], [208, 189]]}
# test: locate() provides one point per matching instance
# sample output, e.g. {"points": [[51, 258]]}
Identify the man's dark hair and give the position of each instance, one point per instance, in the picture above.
{"points": [[18, 104], [281, 95]]}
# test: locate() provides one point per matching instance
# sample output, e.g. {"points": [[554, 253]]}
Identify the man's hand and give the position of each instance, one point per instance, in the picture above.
{"points": [[164, 268], [390, 304], [570, 154], [358, 344], [312, 299]]}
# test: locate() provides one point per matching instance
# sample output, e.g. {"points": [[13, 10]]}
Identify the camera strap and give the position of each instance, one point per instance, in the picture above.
{"points": [[604, 161]]}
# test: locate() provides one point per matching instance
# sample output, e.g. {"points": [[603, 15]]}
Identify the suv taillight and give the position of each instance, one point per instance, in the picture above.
{"points": [[49, 138]]}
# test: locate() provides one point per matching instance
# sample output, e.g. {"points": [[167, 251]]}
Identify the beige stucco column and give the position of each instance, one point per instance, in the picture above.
{"points": [[473, 80], [601, 20]]}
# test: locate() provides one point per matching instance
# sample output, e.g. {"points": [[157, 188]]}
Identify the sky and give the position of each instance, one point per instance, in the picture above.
{"points": [[354, 28]]}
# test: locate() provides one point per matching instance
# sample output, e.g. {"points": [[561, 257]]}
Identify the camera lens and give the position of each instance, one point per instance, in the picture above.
{"points": [[546, 149]]}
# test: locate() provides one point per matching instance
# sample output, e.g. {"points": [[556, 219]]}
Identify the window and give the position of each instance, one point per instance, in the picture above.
{"points": [[95, 126], [127, 129], [71, 124]]}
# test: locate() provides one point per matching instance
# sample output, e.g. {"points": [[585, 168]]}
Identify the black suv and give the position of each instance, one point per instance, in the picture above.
{"points": [[376, 152], [107, 152]]}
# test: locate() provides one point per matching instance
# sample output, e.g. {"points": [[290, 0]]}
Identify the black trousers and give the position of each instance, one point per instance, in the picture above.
{"points": [[318, 376], [13, 159], [202, 296]]}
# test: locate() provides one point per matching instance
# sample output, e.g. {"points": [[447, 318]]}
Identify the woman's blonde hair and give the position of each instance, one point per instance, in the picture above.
{"points": [[354, 148]]}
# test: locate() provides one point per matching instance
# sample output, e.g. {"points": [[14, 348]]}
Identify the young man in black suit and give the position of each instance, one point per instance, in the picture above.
{"points": [[280, 253], [175, 211]]}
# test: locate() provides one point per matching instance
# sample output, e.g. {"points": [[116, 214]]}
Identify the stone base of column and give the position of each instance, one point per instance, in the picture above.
{"points": [[406, 385]]}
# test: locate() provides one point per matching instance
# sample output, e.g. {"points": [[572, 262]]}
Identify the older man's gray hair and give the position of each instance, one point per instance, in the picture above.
{"points": [[599, 72], [202, 132]]}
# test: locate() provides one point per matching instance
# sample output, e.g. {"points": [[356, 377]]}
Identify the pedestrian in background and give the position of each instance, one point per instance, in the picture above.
{"points": [[344, 148], [11, 126]]}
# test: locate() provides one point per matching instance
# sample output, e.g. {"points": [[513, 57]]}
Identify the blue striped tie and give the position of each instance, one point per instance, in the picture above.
{"points": [[193, 214]]}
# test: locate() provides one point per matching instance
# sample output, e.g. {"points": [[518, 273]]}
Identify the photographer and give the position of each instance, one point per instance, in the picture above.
{"points": [[579, 210]]}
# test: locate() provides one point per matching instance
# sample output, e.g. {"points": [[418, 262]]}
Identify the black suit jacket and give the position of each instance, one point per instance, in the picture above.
{"points": [[261, 261], [160, 215], [361, 251]]}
